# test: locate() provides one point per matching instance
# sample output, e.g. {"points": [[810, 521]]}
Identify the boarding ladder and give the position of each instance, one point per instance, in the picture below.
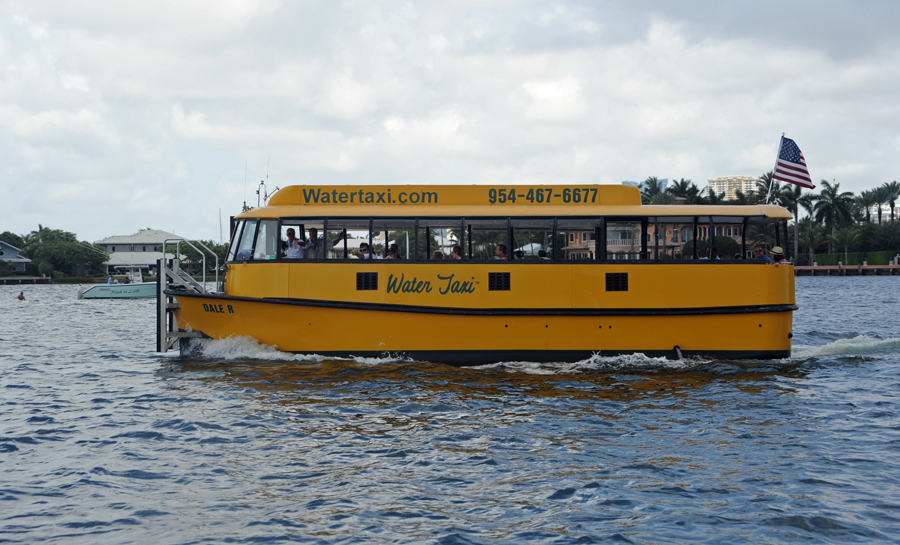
{"points": [[170, 276]]}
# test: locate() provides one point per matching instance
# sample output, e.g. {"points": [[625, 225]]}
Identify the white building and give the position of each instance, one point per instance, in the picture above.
{"points": [[730, 185], [141, 249]]}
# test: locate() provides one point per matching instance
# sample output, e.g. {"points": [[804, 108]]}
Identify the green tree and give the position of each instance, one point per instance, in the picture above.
{"points": [[192, 260], [893, 193], [762, 186], [833, 207], [881, 195], [845, 237], [74, 258], [650, 189], [811, 237], [685, 190], [60, 250], [714, 198], [725, 246], [790, 196], [662, 198], [13, 239], [864, 201]]}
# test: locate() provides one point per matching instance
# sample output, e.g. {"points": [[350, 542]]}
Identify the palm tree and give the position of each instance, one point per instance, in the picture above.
{"points": [[881, 195], [811, 237], [845, 237], [865, 201], [833, 207], [893, 193], [662, 198], [649, 189], [740, 199], [762, 186], [685, 189], [760, 235], [808, 202], [714, 198], [789, 196]]}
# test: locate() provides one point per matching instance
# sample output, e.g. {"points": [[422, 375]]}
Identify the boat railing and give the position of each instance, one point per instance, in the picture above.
{"points": [[180, 277], [170, 276]]}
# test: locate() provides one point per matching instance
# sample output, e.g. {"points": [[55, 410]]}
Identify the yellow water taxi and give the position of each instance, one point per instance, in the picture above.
{"points": [[471, 275]]}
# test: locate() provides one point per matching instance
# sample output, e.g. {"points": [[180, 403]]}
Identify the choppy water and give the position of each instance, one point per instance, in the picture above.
{"points": [[104, 441]]}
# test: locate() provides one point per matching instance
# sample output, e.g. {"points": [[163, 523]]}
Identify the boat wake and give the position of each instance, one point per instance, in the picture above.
{"points": [[248, 348], [597, 362], [859, 345]]}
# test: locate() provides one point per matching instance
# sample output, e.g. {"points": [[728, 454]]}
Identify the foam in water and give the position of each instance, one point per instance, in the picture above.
{"points": [[243, 347], [861, 344], [596, 362], [234, 347]]}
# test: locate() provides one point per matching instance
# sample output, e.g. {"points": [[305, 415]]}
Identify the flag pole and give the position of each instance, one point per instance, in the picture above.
{"points": [[774, 170]]}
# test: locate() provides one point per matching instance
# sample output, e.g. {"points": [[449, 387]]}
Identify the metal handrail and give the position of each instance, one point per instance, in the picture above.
{"points": [[178, 242]]}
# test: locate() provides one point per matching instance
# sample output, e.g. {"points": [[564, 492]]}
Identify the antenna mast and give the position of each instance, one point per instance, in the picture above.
{"points": [[245, 186]]}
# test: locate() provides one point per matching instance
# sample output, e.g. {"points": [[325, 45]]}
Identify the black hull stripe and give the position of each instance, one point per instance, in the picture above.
{"points": [[469, 358], [382, 307]]}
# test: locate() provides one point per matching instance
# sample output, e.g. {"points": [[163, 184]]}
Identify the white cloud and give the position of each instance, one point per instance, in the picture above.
{"points": [[157, 105]]}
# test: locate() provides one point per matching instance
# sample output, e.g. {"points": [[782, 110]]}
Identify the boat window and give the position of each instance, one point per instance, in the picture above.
{"points": [[390, 232], [532, 239], [576, 239], [664, 243], [235, 237], [267, 246], [438, 236], [314, 228], [483, 236], [245, 247], [623, 240], [349, 233]]}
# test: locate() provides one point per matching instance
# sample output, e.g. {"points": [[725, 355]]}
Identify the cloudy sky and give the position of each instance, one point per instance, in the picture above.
{"points": [[117, 116]]}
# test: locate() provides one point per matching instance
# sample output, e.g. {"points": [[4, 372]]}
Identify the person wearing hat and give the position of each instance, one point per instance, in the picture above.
{"points": [[778, 255], [21, 296]]}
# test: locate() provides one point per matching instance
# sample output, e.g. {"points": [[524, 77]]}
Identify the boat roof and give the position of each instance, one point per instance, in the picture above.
{"points": [[475, 201]]}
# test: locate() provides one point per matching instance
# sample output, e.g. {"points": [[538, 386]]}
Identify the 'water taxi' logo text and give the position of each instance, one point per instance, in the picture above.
{"points": [[444, 284]]}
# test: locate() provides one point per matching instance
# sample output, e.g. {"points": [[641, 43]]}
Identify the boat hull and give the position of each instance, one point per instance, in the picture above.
{"points": [[466, 337], [120, 291]]}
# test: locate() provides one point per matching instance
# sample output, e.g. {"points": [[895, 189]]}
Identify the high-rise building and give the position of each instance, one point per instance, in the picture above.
{"points": [[730, 185]]}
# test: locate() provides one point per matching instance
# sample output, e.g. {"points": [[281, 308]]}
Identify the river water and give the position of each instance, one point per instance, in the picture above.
{"points": [[104, 441]]}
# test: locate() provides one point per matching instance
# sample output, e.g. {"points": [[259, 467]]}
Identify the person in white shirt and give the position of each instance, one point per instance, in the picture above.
{"points": [[365, 253], [294, 248], [319, 247]]}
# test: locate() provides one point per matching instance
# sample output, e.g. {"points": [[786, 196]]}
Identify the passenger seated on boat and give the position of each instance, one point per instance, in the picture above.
{"points": [[520, 254], [319, 247], [396, 249], [365, 252], [392, 254], [778, 256], [759, 254], [738, 256], [713, 255], [294, 248], [457, 252], [437, 255], [110, 281], [500, 252]]}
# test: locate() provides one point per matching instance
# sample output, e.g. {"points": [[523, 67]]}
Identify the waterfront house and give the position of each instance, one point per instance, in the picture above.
{"points": [[141, 249], [11, 254]]}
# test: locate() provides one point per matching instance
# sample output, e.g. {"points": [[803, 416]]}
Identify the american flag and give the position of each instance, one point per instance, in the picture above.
{"points": [[791, 166]]}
